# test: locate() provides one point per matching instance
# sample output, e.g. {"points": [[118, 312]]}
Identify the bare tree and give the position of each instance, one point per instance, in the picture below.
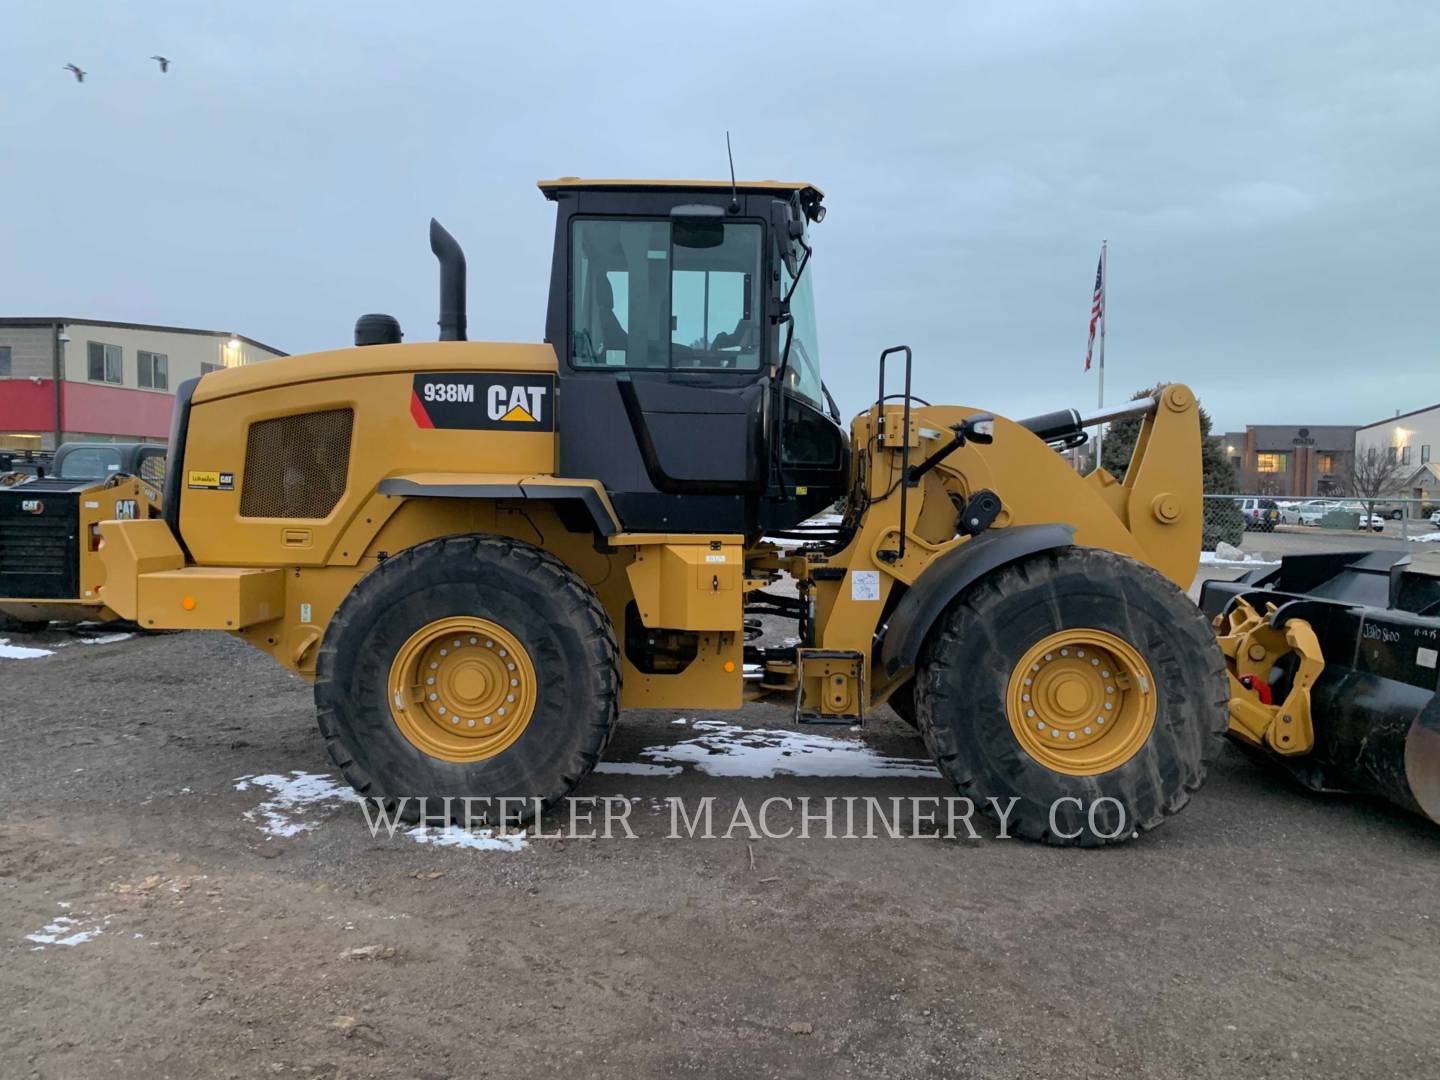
{"points": [[1375, 474]]}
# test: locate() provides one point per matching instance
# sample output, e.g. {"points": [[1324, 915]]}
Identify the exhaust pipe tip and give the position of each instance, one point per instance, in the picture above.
{"points": [[452, 282]]}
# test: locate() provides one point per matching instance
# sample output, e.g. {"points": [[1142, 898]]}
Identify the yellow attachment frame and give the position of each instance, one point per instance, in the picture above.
{"points": [[1252, 647]]}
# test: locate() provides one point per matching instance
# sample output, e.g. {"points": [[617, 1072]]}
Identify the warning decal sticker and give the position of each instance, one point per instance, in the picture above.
{"points": [[484, 401]]}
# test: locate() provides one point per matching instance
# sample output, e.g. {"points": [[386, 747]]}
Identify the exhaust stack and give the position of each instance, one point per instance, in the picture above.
{"points": [[452, 282]]}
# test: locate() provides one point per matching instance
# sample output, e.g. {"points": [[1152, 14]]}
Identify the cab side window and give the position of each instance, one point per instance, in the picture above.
{"points": [[661, 294]]}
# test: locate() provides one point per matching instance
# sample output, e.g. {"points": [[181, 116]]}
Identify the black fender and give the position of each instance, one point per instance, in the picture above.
{"points": [[581, 496], [950, 575]]}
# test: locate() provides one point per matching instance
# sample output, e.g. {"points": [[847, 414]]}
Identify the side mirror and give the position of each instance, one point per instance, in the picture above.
{"points": [[979, 428]]}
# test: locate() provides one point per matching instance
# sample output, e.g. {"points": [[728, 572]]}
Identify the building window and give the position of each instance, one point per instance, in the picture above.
{"points": [[1405, 454], [4, 361], [154, 370], [105, 363], [1425, 454], [206, 367], [1270, 463], [1325, 462], [1391, 455]]}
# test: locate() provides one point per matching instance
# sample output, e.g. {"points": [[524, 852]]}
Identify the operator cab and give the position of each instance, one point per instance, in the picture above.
{"points": [[683, 318]]}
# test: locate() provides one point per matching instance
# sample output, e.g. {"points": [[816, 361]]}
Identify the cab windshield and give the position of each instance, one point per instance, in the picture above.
{"points": [[802, 370], [90, 463]]}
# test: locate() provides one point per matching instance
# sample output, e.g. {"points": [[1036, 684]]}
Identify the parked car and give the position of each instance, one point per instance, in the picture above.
{"points": [[1296, 513], [1435, 517], [1309, 512], [1260, 515]]}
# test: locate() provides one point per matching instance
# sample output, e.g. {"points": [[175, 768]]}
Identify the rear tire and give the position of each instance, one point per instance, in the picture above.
{"points": [[969, 671], [528, 595]]}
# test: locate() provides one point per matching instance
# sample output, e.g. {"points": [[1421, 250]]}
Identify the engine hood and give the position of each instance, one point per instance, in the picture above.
{"points": [[375, 360]]}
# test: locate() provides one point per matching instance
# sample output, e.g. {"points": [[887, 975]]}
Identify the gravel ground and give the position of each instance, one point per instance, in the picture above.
{"points": [[1263, 932]]}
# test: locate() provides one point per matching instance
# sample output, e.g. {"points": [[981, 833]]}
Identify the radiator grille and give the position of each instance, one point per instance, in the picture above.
{"points": [[39, 553], [295, 466]]}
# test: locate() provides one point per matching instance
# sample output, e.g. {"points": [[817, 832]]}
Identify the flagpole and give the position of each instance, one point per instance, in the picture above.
{"points": [[1104, 306]]}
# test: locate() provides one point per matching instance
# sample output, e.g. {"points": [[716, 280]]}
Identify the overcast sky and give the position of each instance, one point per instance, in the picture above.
{"points": [[1267, 176]]}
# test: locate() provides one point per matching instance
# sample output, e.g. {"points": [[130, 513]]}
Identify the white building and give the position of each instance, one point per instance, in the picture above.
{"points": [[1409, 440]]}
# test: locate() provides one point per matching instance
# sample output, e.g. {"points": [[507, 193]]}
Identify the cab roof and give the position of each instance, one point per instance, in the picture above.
{"points": [[575, 183], [810, 196]]}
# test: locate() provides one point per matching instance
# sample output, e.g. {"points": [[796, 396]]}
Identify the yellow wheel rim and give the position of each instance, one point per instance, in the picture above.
{"points": [[1081, 702], [462, 689]]}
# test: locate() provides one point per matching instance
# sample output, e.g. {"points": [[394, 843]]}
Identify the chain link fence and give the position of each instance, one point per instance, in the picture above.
{"points": [[1243, 521]]}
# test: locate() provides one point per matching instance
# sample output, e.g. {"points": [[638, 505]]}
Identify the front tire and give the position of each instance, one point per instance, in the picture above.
{"points": [[1080, 683], [471, 667]]}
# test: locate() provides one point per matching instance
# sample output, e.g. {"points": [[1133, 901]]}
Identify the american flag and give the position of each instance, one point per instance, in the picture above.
{"points": [[1097, 308]]}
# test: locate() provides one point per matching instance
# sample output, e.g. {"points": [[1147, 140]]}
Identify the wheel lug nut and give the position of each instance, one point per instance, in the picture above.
{"points": [[434, 697], [470, 722]]}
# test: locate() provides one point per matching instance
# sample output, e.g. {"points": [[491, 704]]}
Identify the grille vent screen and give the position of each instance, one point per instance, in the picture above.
{"points": [[295, 466]]}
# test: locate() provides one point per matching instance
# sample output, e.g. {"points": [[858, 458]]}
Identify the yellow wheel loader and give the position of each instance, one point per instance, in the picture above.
{"points": [[50, 569], [480, 553]]}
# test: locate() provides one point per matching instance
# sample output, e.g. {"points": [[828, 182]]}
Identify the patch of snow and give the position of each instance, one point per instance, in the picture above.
{"points": [[104, 639], [64, 930], [637, 768], [21, 652], [478, 840], [294, 795], [1428, 538], [758, 753], [1250, 562]]}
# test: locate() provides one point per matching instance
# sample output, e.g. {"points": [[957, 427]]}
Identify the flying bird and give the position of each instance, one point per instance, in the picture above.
{"points": [[164, 62], [79, 75]]}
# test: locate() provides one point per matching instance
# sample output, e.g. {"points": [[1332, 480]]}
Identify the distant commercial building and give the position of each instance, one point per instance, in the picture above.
{"points": [[1277, 459], [65, 379], [1407, 440]]}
